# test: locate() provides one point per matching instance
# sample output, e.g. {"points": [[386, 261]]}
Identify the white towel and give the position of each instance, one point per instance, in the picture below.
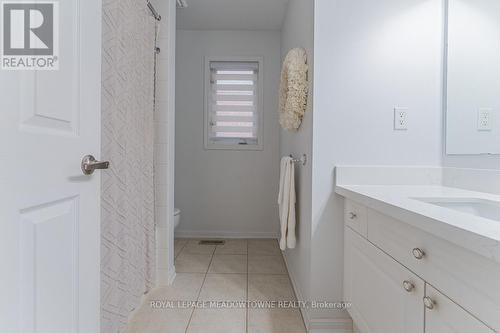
{"points": [[286, 201]]}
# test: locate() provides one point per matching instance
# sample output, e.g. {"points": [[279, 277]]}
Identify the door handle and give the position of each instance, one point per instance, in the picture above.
{"points": [[89, 164]]}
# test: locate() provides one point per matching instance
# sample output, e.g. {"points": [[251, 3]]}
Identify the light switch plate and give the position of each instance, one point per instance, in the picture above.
{"points": [[484, 119], [400, 118]]}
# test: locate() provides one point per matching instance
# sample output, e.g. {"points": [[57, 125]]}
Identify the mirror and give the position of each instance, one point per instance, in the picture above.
{"points": [[473, 77]]}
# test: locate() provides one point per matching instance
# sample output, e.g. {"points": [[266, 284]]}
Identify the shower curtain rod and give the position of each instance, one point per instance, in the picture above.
{"points": [[153, 11]]}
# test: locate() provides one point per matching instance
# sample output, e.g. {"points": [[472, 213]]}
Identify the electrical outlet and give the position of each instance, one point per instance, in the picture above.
{"points": [[400, 119], [484, 119]]}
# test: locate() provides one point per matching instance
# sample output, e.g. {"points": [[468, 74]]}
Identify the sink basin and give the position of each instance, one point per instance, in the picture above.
{"points": [[478, 207]]}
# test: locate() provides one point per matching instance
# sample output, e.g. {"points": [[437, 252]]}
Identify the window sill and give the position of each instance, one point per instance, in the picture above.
{"points": [[216, 146]]}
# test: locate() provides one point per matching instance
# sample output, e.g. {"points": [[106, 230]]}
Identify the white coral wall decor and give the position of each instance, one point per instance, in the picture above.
{"points": [[293, 89]]}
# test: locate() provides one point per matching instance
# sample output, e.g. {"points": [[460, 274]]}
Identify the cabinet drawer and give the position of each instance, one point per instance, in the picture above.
{"points": [[447, 317], [470, 280], [374, 284], [355, 217]]}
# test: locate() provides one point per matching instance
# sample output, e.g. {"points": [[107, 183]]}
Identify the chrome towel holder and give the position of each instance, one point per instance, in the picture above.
{"points": [[302, 160]]}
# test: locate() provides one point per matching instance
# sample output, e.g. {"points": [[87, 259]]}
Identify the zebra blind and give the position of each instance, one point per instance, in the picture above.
{"points": [[233, 103]]}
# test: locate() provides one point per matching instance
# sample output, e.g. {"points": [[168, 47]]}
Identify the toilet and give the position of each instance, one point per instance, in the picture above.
{"points": [[177, 217]]}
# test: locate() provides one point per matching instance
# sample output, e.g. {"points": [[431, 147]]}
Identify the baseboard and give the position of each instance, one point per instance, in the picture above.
{"points": [[171, 276], [165, 276], [298, 294], [319, 325], [224, 234]]}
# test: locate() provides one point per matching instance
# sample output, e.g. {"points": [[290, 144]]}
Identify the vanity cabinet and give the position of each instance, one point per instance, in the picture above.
{"points": [[444, 316], [400, 279], [380, 288]]}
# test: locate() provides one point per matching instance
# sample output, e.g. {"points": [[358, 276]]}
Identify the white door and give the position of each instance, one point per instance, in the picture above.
{"points": [[444, 316], [385, 296], [49, 211]]}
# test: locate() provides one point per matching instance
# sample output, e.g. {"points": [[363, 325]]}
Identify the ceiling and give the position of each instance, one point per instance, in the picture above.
{"points": [[232, 15]]}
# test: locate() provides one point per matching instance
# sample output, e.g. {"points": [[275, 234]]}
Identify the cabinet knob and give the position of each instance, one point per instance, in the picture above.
{"points": [[418, 253], [408, 286], [352, 215], [429, 303]]}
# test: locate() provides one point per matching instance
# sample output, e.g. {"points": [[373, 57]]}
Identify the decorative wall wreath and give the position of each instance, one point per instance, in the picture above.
{"points": [[294, 89]]}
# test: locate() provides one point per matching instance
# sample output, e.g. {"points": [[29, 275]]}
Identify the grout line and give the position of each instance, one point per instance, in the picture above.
{"points": [[182, 248], [199, 292], [206, 273], [217, 273], [272, 274]]}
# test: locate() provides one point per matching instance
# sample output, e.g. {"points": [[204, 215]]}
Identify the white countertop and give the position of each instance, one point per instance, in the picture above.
{"points": [[475, 233]]}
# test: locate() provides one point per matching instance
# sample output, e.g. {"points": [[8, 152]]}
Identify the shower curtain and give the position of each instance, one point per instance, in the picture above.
{"points": [[127, 193]]}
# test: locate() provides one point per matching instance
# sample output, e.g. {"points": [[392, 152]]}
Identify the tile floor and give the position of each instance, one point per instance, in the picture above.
{"points": [[240, 270]]}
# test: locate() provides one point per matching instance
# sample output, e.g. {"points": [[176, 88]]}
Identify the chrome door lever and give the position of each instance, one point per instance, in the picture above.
{"points": [[89, 165]]}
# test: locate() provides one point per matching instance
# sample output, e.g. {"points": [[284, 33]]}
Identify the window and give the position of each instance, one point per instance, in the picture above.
{"points": [[233, 107]]}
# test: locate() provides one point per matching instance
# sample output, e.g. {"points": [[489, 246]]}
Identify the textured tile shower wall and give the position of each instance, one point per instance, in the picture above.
{"points": [[127, 195]]}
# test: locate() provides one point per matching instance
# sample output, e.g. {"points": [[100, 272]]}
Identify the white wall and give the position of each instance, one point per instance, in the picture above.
{"points": [[297, 31], [225, 193], [373, 55]]}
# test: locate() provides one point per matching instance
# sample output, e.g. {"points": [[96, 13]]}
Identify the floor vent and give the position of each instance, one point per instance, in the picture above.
{"points": [[211, 242]]}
